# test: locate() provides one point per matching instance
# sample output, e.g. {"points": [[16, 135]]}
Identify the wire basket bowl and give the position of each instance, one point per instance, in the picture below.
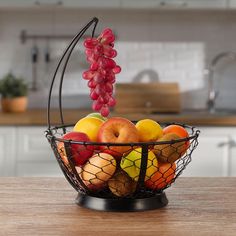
{"points": [[117, 176]]}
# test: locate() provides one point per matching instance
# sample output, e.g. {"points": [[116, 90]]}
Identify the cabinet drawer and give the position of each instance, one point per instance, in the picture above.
{"points": [[7, 151], [209, 159], [232, 160], [32, 145], [28, 169]]}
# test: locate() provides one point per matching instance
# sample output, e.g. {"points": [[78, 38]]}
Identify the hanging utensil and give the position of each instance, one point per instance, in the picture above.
{"points": [[47, 56], [34, 60]]}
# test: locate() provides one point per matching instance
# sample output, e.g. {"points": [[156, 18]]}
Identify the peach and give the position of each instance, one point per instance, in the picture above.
{"points": [[98, 170]]}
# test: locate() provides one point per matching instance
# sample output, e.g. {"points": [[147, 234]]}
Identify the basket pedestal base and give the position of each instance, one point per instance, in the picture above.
{"points": [[102, 204]]}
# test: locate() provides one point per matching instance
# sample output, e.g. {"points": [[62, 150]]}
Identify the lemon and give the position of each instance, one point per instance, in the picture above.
{"points": [[89, 126], [148, 130]]}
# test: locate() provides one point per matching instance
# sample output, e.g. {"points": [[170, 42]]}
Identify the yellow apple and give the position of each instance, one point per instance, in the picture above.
{"points": [[132, 162]]}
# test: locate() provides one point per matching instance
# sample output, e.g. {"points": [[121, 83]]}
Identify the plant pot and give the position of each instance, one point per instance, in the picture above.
{"points": [[18, 104]]}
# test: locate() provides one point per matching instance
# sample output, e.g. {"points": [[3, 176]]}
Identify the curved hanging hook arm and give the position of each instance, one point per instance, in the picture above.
{"points": [[70, 47]]}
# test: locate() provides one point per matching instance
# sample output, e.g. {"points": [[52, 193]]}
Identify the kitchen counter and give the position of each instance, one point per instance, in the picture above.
{"points": [[45, 206], [39, 117]]}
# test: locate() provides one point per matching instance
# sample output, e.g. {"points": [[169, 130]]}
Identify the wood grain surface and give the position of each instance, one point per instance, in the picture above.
{"points": [[45, 206], [39, 117], [147, 97]]}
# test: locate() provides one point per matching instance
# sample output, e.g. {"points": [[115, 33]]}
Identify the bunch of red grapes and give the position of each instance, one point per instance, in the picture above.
{"points": [[101, 75]]}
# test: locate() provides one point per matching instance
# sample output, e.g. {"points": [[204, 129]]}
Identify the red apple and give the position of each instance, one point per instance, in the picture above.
{"points": [[117, 130], [80, 153]]}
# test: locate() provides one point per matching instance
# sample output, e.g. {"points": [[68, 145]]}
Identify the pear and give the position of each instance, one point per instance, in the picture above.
{"points": [[169, 152], [121, 184]]}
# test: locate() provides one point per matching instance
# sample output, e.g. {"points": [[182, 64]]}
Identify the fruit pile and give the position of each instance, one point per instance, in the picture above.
{"points": [[103, 164], [101, 75]]}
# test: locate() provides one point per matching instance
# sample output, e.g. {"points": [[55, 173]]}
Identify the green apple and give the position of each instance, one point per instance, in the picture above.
{"points": [[132, 162], [97, 115]]}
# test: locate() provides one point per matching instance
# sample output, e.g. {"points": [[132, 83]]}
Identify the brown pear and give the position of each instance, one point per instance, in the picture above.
{"points": [[121, 184], [169, 152]]}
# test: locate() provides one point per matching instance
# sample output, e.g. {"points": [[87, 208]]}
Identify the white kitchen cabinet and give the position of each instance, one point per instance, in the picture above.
{"points": [[213, 156], [140, 4], [206, 4], [103, 4], [194, 4], [232, 156], [174, 4], [119, 4], [232, 4], [34, 156], [21, 4], [7, 151], [15, 3], [24, 151]]}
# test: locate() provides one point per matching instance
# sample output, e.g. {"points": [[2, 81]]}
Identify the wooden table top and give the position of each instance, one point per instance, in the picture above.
{"points": [[45, 206], [71, 116]]}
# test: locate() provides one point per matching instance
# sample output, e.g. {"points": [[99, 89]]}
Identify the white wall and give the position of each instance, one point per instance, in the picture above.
{"points": [[175, 44]]}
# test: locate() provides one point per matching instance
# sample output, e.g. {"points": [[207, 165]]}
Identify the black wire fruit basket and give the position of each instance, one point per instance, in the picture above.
{"points": [[117, 176]]}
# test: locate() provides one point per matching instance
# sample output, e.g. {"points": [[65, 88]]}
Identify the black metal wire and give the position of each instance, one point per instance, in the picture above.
{"points": [[141, 191], [143, 168], [76, 179], [195, 134], [79, 35], [72, 166], [74, 40]]}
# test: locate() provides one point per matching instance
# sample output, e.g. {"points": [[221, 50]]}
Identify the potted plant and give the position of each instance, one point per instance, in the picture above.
{"points": [[14, 94]]}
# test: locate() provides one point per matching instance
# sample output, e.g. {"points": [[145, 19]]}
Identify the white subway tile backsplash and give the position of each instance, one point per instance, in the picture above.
{"points": [[166, 46]]}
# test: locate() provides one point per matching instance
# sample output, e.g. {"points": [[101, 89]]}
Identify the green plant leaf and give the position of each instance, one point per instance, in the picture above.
{"points": [[11, 86]]}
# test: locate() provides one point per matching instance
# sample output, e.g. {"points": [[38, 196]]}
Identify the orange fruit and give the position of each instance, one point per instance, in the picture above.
{"points": [[178, 130], [163, 177]]}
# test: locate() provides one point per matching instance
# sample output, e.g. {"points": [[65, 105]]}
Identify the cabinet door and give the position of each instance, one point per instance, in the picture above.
{"points": [[29, 3], [140, 4], [207, 4], [7, 151], [232, 156], [174, 4], [232, 4], [34, 155], [211, 157], [16, 4], [92, 3]]}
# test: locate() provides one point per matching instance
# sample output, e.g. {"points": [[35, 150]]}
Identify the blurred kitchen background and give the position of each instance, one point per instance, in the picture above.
{"points": [[188, 42]]}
